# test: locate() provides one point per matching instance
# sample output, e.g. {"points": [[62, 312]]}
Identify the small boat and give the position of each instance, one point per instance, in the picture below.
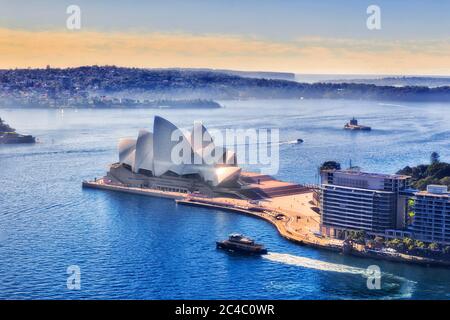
{"points": [[239, 243], [299, 141], [353, 125]]}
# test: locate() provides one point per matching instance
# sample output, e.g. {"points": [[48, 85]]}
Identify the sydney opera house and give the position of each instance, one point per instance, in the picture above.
{"points": [[149, 161]]}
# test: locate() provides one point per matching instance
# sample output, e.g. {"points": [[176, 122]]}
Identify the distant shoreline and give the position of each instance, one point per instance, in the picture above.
{"points": [[119, 104], [75, 85], [387, 103]]}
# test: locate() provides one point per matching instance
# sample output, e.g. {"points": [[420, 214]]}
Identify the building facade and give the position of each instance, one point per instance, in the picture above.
{"points": [[430, 215], [358, 201]]}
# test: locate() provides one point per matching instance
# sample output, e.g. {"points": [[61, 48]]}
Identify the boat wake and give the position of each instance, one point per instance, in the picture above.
{"points": [[280, 143], [45, 153], [394, 287], [289, 142], [312, 263], [392, 105]]}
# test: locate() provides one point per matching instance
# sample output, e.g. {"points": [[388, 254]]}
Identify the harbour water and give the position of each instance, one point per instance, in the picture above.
{"points": [[134, 247]]}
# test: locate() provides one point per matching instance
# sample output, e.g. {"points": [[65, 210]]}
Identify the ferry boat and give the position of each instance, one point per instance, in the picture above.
{"points": [[353, 125], [239, 243]]}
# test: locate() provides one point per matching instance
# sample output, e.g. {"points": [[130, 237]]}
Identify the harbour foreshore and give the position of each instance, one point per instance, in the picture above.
{"points": [[299, 224], [296, 225]]}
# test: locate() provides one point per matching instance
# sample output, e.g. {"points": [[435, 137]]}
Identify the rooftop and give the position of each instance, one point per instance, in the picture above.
{"points": [[430, 194], [435, 190], [370, 174]]}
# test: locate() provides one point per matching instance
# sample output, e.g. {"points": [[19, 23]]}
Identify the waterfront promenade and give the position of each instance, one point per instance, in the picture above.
{"points": [[294, 215]]}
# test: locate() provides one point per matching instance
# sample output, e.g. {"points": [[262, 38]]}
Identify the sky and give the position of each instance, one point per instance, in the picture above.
{"points": [[325, 36]]}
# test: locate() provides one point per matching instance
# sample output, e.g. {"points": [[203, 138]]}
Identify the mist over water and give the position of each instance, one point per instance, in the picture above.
{"points": [[146, 248]]}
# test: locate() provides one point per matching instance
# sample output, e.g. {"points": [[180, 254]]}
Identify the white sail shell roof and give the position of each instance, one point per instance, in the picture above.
{"points": [[230, 157], [164, 143], [127, 151], [200, 141], [153, 152], [144, 151]]}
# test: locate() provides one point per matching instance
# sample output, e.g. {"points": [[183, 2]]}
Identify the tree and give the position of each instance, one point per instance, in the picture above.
{"points": [[357, 236], [438, 170], [419, 244], [408, 242], [434, 158], [5, 127], [396, 244], [330, 165], [406, 171], [445, 181], [423, 183], [433, 246]]}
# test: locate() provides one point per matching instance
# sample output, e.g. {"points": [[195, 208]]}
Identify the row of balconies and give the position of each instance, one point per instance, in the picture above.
{"points": [[356, 200], [357, 226], [362, 192], [355, 217], [359, 210]]}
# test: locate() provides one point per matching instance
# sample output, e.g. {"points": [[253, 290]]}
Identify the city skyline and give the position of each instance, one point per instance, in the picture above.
{"points": [[296, 37]]}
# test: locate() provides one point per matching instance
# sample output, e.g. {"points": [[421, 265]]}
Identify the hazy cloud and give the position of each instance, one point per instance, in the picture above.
{"points": [[20, 48]]}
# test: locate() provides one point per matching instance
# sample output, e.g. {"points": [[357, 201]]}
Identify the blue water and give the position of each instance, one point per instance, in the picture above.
{"points": [[133, 247]]}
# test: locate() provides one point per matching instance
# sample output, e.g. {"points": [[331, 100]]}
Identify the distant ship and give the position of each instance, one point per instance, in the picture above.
{"points": [[353, 125], [13, 137], [9, 135], [240, 243]]}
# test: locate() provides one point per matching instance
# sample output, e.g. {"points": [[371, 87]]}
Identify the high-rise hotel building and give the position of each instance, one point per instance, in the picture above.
{"points": [[383, 204], [430, 215], [355, 200]]}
